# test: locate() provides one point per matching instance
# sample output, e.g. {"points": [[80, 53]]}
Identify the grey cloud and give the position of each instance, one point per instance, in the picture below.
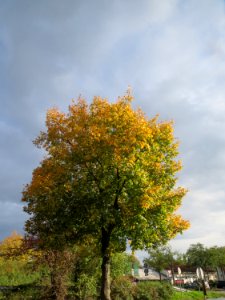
{"points": [[12, 218], [171, 52]]}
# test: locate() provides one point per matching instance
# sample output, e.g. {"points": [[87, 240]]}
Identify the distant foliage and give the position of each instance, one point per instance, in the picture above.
{"points": [[199, 255], [16, 266], [122, 264], [11, 246]]}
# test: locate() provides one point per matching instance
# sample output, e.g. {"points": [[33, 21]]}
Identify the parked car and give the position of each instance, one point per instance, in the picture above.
{"points": [[193, 286]]}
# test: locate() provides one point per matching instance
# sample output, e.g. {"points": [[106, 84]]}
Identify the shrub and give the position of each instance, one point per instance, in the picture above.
{"points": [[153, 291], [122, 288], [22, 292], [85, 287], [15, 272]]}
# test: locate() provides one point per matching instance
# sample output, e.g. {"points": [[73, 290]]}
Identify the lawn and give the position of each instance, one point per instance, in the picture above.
{"points": [[196, 295]]}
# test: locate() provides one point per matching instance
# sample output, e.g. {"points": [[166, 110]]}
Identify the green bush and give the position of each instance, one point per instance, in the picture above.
{"points": [[85, 287], [153, 291], [22, 292], [14, 272], [122, 288]]}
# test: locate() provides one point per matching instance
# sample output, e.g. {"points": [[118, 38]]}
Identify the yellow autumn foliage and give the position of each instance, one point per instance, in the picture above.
{"points": [[111, 166]]}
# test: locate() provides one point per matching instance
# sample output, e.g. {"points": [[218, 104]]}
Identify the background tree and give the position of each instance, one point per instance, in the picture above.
{"points": [[122, 264], [217, 258], [109, 173], [16, 263], [196, 255], [11, 247], [174, 259], [161, 258]]}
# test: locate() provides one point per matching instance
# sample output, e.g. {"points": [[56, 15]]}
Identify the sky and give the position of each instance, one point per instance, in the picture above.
{"points": [[172, 54]]}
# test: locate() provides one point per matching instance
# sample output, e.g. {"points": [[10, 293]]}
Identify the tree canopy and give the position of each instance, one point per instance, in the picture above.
{"points": [[109, 173], [198, 255]]}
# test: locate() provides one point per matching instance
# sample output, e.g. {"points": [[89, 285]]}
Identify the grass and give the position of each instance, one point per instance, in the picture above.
{"points": [[196, 295], [14, 273]]}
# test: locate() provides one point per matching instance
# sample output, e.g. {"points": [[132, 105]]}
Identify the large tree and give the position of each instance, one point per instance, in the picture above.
{"points": [[109, 174]]}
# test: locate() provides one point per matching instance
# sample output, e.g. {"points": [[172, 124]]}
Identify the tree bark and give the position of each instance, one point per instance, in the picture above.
{"points": [[105, 288], [173, 277], [105, 282]]}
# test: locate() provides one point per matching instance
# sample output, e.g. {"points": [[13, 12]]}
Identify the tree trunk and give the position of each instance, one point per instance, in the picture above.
{"points": [[105, 282], [160, 276], [173, 278], [58, 285], [105, 288]]}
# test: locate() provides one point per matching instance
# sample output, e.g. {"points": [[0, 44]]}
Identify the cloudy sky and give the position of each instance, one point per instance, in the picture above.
{"points": [[172, 54]]}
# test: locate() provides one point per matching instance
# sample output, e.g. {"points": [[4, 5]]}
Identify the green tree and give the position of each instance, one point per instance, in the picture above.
{"points": [[160, 258], [122, 264], [109, 173], [198, 256], [217, 256]]}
